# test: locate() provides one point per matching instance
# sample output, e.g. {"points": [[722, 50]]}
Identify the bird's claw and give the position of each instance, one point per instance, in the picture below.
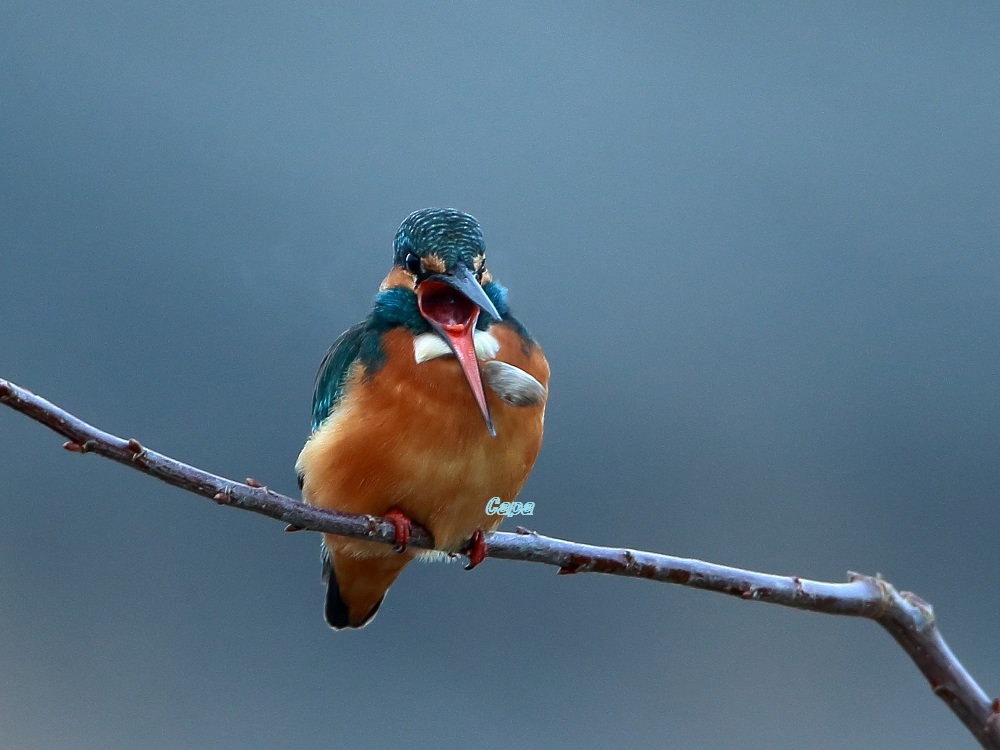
{"points": [[401, 529], [476, 549]]}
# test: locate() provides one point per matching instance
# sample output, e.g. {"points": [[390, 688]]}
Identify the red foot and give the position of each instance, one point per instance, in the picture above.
{"points": [[476, 549], [402, 525]]}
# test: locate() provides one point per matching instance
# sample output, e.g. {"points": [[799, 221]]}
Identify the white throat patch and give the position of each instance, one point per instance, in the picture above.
{"points": [[430, 345]]}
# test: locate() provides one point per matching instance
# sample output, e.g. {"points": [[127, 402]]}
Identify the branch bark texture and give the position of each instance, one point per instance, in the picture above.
{"points": [[907, 618]]}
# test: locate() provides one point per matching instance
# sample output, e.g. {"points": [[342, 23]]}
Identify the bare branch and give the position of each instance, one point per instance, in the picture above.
{"points": [[908, 618]]}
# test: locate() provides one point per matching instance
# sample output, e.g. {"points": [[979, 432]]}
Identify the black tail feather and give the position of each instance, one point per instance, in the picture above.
{"points": [[335, 610]]}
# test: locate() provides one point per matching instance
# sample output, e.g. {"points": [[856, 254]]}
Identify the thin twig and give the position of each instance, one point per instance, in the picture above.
{"points": [[909, 619]]}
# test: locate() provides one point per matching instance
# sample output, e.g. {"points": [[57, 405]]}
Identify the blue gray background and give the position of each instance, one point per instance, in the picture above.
{"points": [[758, 242]]}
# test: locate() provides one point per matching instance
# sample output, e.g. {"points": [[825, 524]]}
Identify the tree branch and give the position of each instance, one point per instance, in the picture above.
{"points": [[908, 618]]}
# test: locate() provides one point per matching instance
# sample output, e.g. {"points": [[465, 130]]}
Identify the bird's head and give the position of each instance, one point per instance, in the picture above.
{"points": [[443, 250]]}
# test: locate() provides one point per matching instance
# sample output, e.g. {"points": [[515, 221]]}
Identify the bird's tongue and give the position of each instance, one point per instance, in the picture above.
{"points": [[454, 316]]}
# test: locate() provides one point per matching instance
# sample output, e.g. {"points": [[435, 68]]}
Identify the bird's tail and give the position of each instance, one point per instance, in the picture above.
{"points": [[356, 586]]}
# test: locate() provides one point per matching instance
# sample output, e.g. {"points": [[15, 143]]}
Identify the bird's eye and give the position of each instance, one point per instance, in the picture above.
{"points": [[412, 263]]}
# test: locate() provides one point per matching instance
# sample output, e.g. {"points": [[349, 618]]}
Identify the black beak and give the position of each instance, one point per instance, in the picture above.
{"points": [[463, 281]]}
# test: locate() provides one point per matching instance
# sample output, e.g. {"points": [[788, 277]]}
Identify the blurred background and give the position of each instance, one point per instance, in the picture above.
{"points": [[759, 247]]}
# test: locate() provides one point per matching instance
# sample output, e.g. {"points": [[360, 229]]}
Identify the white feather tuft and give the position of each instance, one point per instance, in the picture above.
{"points": [[512, 384], [430, 345]]}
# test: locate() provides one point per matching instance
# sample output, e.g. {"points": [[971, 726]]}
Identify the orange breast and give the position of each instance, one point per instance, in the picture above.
{"points": [[411, 437]]}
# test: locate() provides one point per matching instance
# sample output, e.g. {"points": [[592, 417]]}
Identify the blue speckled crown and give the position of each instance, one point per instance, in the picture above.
{"points": [[449, 234]]}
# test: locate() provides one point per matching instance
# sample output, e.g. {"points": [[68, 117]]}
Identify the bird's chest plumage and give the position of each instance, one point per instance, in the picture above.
{"points": [[411, 436]]}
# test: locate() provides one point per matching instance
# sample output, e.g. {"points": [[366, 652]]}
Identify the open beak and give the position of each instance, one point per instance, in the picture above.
{"points": [[451, 304]]}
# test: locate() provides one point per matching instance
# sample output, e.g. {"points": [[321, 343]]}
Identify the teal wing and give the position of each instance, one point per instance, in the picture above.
{"points": [[330, 379], [327, 392]]}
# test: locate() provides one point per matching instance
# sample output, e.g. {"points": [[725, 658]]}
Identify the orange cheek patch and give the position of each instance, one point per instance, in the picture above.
{"points": [[397, 277]]}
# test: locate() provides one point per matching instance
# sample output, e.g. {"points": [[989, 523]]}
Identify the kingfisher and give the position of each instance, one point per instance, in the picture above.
{"points": [[425, 411]]}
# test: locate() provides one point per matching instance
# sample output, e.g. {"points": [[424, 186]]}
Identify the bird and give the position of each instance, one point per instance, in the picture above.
{"points": [[424, 412]]}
